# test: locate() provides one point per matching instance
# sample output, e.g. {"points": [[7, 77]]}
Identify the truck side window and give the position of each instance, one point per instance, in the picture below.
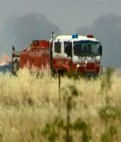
{"points": [[58, 47], [68, 48]]}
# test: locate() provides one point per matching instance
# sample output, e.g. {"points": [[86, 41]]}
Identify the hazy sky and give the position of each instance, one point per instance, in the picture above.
{"points": [[23, 20], [67, 14]]}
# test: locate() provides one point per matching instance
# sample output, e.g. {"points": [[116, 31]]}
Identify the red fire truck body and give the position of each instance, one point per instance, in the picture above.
{"points": [[36, 55], [65, 54]]}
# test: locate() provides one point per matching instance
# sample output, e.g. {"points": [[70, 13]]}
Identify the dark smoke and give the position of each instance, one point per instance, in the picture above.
{"points": [[21, 31], [107, 29]]}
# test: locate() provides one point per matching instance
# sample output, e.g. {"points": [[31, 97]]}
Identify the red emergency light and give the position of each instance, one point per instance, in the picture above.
{"points": [[90, 36]]}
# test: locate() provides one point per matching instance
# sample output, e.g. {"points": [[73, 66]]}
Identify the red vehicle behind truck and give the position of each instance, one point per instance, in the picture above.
{"points": [[64, 54]]}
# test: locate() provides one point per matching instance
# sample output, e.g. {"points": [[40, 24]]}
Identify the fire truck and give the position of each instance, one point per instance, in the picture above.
{"points": [[62, 54]]}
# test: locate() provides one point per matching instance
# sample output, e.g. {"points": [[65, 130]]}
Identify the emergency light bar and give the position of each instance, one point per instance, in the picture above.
{"points": [[75, 36]]}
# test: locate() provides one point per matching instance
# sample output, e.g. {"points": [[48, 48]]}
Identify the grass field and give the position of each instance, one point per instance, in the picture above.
{"points": [[89, 110]]}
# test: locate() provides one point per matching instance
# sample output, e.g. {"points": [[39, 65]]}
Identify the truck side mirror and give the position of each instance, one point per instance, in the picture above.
{"points": [[13, 48], [100, 50]]}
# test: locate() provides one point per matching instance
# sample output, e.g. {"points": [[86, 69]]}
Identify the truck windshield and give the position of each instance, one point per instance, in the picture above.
{"points": [[86, 48]]}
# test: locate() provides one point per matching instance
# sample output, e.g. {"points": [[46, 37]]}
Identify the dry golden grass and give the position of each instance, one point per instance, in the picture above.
{"points": [[29, 101]]}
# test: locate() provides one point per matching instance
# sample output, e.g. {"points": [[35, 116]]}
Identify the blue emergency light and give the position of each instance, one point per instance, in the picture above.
{"points": [[75, 36]]}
